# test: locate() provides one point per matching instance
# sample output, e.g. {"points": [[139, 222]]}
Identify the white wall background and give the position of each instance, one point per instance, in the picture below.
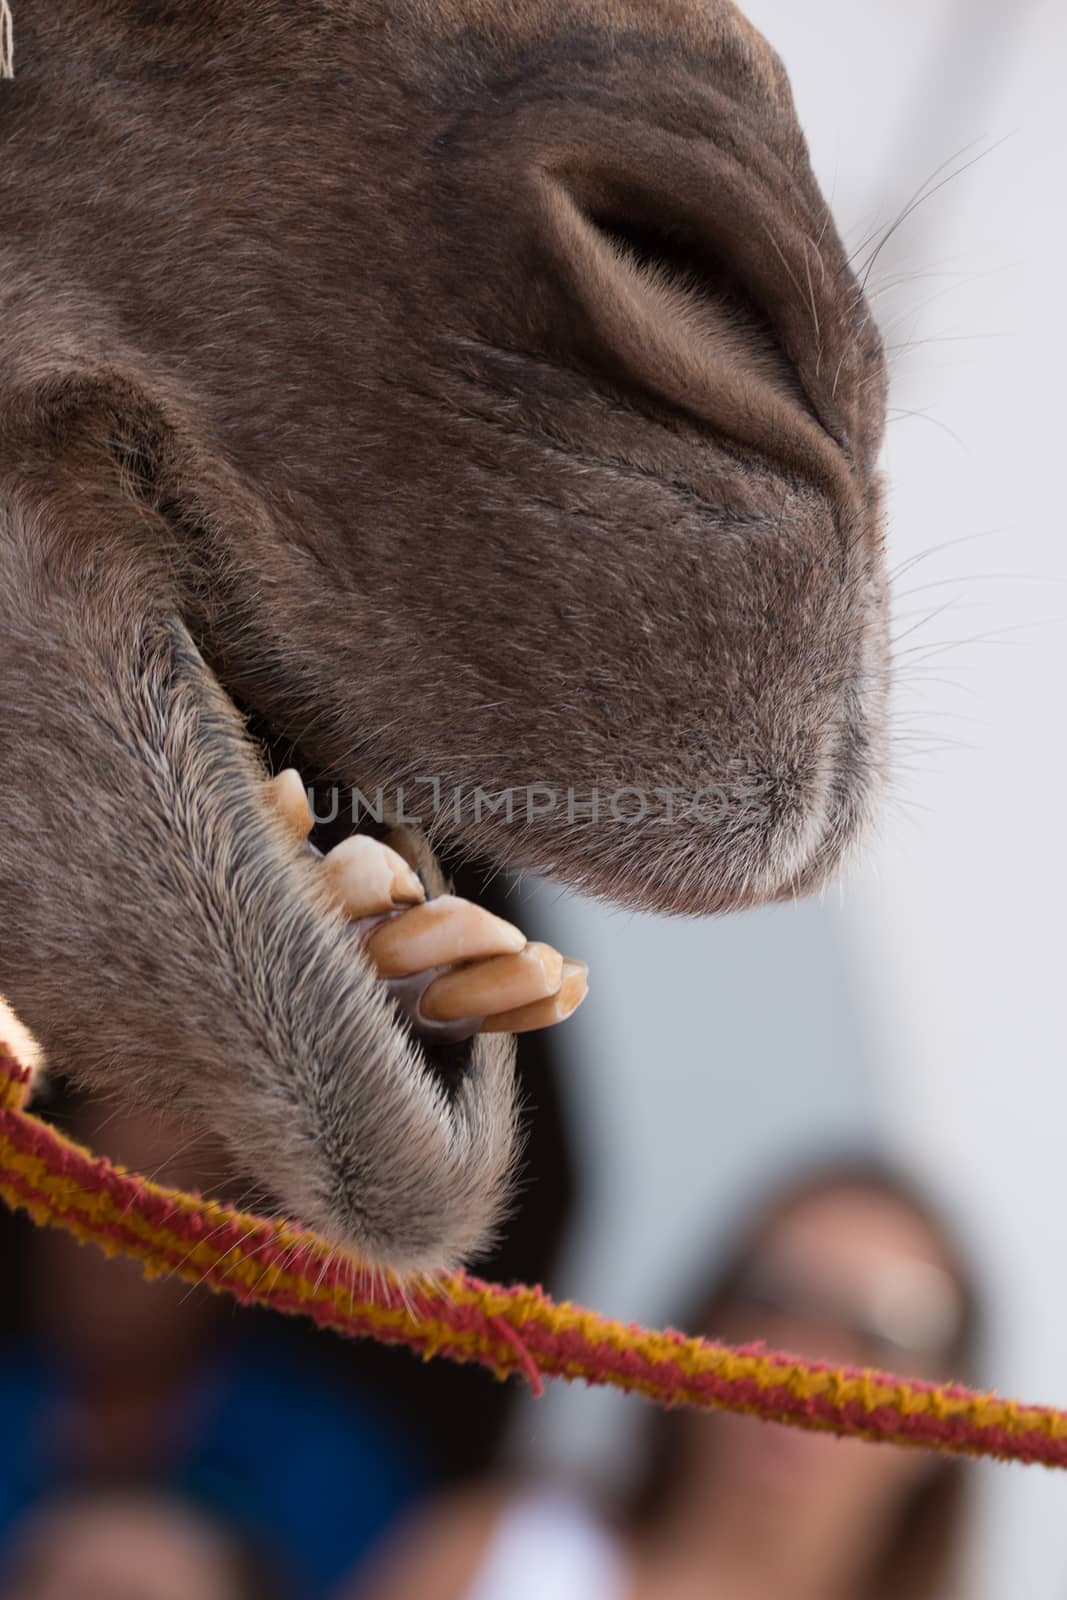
{"points": [[928, 997]]}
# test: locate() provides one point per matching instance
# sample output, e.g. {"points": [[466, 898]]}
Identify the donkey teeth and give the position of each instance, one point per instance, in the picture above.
{"points": [[500, 984], [367, 878], [437, 934], [290, 800], [544, 1013], [402, 840]]}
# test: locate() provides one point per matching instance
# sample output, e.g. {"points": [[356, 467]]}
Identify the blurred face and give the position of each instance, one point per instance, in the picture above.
{"points": [[120, 1551], [100, 1314], [853, 1278]]}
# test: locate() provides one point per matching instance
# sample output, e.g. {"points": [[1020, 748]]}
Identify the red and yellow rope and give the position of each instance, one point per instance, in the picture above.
{"points": [[506, 1329]]}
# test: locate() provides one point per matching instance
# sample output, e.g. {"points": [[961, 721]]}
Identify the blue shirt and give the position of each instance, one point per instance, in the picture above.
{"points": [[309, 1471]]}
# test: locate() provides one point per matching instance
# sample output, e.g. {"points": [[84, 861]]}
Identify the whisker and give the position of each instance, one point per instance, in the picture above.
{"points": [[903, 414], [996, 637], [921, 198], [985, 577], [949, 605], [946, 544]]}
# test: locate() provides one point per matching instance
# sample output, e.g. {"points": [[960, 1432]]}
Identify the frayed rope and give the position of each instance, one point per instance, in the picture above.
{"points": [[508, 1330]]}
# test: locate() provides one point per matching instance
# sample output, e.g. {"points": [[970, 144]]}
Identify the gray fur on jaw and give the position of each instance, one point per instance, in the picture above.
{"points": [[279, 1033]]}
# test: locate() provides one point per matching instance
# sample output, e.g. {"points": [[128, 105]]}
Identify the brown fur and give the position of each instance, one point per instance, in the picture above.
{"points": [[474, 389]]}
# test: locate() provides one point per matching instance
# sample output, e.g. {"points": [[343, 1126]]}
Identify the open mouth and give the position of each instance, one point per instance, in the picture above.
{"points": [[452, 968], [334, 820]]}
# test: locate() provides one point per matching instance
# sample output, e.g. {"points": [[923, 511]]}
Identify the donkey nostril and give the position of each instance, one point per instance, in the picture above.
{"points": [[681, 257], [670, 247], [678, 253], [662, 303]]}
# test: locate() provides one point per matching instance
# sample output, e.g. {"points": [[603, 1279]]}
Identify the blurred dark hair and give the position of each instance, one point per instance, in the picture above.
{"points": [[252, 1572], [922, 1549]]}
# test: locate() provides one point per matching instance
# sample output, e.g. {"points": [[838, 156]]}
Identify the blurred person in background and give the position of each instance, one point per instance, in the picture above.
{"points": [[127, 1546], [848, 1265], [107, 1379]]}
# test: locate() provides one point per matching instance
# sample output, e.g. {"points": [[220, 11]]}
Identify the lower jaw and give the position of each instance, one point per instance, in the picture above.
{"points": [[446, 1047]]}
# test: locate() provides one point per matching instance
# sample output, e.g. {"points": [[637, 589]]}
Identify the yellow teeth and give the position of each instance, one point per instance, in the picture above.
{"points": [[438, 934], [499, 984], [495, 974], [403, 841], [544, 1013], [290, 800], [367, 878]]}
